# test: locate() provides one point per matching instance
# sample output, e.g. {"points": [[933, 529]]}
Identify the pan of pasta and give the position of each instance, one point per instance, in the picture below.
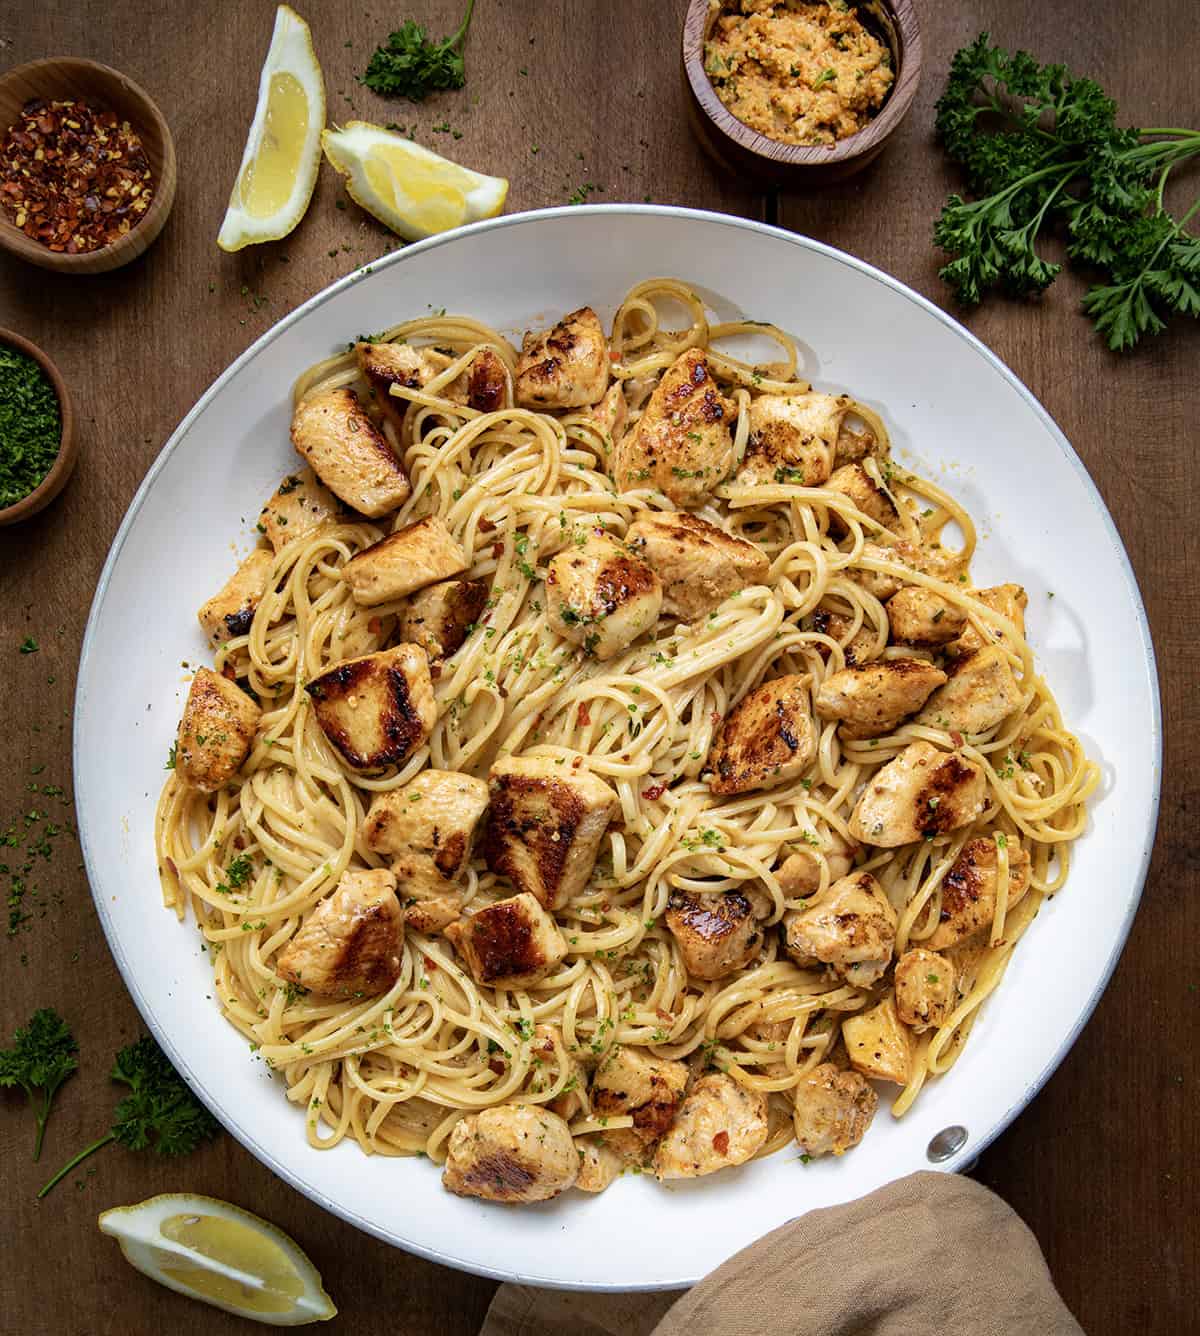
{"points": [[676, 744]]}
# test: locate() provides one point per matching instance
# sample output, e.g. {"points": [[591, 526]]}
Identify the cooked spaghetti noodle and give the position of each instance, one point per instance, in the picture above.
{"points": [[397, 1071]]}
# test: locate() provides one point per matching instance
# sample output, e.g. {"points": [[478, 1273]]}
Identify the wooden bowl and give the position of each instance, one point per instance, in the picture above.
{"points": [[68, 447], [87, 80], [738, 148]]}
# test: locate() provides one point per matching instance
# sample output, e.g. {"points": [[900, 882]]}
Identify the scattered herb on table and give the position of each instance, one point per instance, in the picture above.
{"points": [[159, 1113], [412, 66], [1041, 147], [30, 426], [40, 1060]]}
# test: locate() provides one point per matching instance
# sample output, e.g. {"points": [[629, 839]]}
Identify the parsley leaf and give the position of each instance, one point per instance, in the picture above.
{"points": [[412, 66], [40, 1060]]}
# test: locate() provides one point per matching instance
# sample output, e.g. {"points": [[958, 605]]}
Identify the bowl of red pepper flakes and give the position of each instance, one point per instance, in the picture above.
{"points": [[87, 166]]}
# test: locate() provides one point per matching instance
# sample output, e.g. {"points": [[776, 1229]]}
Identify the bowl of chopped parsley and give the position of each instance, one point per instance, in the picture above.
{"points": [[37, 435]]}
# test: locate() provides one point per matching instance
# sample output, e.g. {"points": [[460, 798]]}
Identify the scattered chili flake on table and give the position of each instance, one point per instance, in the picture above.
{"points": [[30, 426], [73, 176]]}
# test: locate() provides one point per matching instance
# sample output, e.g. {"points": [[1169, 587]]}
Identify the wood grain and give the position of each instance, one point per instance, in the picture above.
{"points": [[1102, 1164]]}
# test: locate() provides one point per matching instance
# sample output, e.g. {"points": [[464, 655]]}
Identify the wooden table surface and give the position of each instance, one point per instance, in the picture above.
{"points": [[561, 96]]}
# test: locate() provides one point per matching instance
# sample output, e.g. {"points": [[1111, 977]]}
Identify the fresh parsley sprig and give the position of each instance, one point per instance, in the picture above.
{"points": [[412, 66], [42, 1056], [1041, 148]]}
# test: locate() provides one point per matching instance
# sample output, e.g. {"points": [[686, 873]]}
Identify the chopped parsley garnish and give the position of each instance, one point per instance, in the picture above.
{"points": [[412, 66]]}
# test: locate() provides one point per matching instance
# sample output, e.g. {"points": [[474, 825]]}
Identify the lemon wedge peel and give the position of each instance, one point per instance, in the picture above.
{"points": [[409, 188], [222, 1255], [279, 166]]}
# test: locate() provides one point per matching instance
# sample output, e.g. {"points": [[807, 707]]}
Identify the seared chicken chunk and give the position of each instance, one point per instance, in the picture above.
{"points": [[564, 367], [721, 1123], [853, 445], [920, 617], [792, 438], [634, 1082], [231, 612], [681, 444], [386, 364], [511, 1153], [216, 731], [864, 493], [699, 565], [872, 699], [346, 451], [601, 596], [882, 584], [440, 617], [598, 1165], [512, 943], [427, 828], [833, 1110], [545, 826], [919, 793], [800, 873], [852, 927], [969, 890], [420, 554], [1010, 600], [377, 709], [925, 988], [767, 739], [717, 934], [878, 1043], [981, 690], [301, 505], [857, 646], [349, 946]]}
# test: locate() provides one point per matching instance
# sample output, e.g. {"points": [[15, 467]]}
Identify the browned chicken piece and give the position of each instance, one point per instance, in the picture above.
{"points": [[799, 874], [833, 1110], [922, 792], [632, 1082], [301, 505], [717, 934], [879, 1043], [511, 1153], [882, 584], [610, 415], [681, 444], [487, 382], [864, 493], [721, 1123], [216, 731], [699, 565], [925, 988], [378, 709], [545, 826], [921, 617], [969, 890], [852, 927], [420, 554], [427, 829], [482, 386], [872, 699], [564, 367], [440, 617], [512, 943], [349, 945], [792, 438], [347, 452], [1010, 600], [767, 739], [980, 692], [600, 595], [432, 914], [231, 612], [853, 445], [598, 1165], [856, 646]]}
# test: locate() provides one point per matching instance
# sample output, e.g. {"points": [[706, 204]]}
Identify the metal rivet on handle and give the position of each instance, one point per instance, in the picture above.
{"points": [[949, 1141]]}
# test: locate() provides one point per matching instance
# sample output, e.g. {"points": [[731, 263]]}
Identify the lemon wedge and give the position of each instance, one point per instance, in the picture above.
{"points": [[222, 1255], [415, 192], [283, 149]]}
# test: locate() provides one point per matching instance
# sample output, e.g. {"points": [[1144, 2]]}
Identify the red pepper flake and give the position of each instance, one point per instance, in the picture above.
{"points": [[721, 1143], [485, 525], [956, 737], [229, 672], [430, 965], [374, 626], [715, 717], [73, 176], [654, 791], [496, 1065], [665, 1016], [497, 550], [584, 716]]}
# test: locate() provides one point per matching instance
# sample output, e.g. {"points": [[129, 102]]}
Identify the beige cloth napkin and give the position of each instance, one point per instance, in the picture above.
{"points": [[931, 1253]]}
